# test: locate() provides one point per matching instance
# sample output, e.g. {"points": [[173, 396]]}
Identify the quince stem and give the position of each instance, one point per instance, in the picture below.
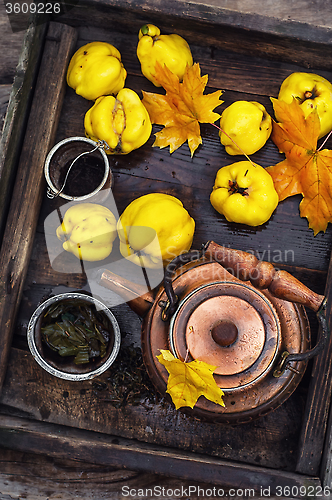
{"points": [[221, 130]]}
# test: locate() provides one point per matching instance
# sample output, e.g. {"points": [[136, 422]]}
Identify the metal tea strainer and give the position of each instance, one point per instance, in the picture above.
{"points": [[77, 168]]}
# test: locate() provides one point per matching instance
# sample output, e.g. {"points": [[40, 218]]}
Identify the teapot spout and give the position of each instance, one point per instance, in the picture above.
{"points": [[138, 299]]}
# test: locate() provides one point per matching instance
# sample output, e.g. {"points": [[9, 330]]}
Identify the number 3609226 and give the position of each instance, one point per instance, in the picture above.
{"points": [[33, 8]]}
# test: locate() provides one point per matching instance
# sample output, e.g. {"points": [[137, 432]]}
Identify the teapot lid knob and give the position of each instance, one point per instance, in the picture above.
{"points": [[224, 333]]}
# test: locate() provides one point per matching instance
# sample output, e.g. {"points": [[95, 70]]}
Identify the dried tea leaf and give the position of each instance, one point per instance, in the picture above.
{"points": [[74, 329]]}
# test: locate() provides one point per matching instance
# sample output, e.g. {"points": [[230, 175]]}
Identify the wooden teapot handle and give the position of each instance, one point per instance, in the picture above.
{"points": [[247, 267], [262, 275]]}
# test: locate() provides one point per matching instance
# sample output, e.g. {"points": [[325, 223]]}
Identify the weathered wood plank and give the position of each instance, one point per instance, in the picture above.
{"points": [[113, 451], [214, 25], [10, 48], [40, 272], [4, 100], [35, 477], [326, 463], [13, 128], [312, 438], [89, 405], [22, 219], [318, 14]]}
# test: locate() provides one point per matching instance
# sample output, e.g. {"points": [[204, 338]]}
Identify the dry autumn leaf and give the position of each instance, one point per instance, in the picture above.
{"points": [[188, 381], [306, 170], [182, 109]]}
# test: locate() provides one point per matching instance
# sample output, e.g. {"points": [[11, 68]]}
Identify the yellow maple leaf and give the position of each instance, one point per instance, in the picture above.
{"points": [[188, 381], [306, 169], [182, 108]]}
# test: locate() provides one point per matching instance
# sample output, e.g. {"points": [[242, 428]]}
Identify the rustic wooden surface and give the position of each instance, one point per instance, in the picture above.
{"points": [[114, 451], [10, 47], [13, 127], [28, 190], [274, 427], [34, 477], [316, 13], [312, 434]]}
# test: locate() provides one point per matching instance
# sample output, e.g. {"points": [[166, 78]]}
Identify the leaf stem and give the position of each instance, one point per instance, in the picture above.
{"points": [[325, 140], [221, 130]]}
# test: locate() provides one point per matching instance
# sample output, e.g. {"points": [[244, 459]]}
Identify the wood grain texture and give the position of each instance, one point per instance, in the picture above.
{"points": [[217, 26], [4, 100], [17, 110], [317, 13], [10, 48], [112, 451], [89, 406], [35, 477], [21, 222], [326, 462], [313, 433]]}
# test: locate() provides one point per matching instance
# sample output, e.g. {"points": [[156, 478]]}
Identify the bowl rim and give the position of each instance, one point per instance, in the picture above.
{"points": [[65, 375], [49, 157]]}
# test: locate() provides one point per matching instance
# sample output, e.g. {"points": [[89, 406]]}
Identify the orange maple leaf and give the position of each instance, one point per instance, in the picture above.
{"points": [[182, 109], [306, 169], [188, 381]]}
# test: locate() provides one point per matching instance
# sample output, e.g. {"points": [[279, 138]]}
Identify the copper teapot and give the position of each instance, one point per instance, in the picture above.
{"points": [[233, 311]]}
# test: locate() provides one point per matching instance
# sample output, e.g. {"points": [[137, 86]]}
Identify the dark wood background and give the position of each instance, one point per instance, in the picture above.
{"points": [[260, 443]]}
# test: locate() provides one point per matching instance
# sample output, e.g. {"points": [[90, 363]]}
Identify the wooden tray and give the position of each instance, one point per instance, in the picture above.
{"points": [[47, 415]]}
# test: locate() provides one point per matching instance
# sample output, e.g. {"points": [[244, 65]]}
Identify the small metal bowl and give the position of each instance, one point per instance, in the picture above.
{"points": [[64, 367], [81, 176]]}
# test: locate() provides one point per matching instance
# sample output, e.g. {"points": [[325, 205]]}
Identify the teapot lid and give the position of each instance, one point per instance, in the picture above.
{"points": [[231, 326]]}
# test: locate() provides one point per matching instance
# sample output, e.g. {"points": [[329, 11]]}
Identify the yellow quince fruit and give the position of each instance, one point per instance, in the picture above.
{"points": [[95, 70], [154, 229], [311, 91], [244, 193], [88, 231], [247, 125], [122, 121], [170, 50]]}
